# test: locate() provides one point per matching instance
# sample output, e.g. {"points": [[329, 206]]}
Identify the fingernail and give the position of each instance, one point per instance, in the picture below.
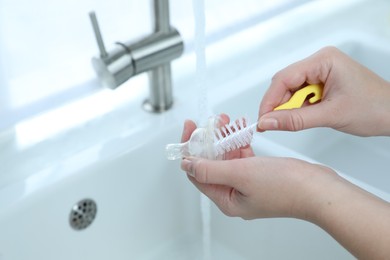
{"points": [[268, 124], [186, 165]]}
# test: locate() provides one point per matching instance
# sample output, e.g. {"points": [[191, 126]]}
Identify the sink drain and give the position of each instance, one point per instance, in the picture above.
{"points": [[82, 214]]}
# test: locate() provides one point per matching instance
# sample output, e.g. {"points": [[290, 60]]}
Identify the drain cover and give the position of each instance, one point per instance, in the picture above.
{"points": [[82, 214]]}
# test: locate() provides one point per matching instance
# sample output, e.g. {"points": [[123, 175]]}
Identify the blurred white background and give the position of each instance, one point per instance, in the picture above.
{"points": [[46, 46]]}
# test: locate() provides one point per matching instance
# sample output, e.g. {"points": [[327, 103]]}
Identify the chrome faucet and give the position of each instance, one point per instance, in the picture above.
{"points": [[152, 54]]}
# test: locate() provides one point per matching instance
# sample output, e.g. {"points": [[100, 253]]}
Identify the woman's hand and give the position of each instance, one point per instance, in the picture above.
{"points": [[355, 100], [257, 187], [260, 187]]}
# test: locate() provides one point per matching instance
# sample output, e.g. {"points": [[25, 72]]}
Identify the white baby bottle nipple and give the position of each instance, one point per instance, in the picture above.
{"points": [[194, 146], [200, 144]]}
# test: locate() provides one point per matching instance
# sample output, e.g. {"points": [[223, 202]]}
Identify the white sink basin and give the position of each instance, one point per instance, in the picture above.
{"points": [[143, 205], [365, 159], [146, 207]]}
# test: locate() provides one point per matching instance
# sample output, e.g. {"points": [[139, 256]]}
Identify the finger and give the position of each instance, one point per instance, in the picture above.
{"points": [[316, 115], [223, 119], [214, 192], [223, 196], [312, 70], [283, 84], [214, 172], [189, 127]]}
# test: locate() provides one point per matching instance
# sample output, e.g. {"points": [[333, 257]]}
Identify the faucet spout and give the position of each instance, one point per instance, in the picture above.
{"points": [[160, 78], [152, 54]]}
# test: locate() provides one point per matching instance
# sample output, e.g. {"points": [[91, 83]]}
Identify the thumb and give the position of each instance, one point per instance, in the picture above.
{"points": [[294, 119], [212, 171]]}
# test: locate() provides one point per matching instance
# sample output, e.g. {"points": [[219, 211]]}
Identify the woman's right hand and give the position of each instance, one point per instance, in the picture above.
{"points": [[355, 100]]}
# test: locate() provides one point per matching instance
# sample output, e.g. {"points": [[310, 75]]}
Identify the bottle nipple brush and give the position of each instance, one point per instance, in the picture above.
{"points": [[212, 141]]}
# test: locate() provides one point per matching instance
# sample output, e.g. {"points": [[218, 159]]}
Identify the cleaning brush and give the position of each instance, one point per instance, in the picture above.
{"points": [[211, 142], [233, 136]]}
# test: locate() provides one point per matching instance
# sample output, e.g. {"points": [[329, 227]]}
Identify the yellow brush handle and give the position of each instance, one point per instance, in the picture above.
{"points": [[299, 97]]}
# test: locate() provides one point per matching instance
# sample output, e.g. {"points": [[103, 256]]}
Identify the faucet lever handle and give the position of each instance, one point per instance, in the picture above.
{"points": [[98, 35]]}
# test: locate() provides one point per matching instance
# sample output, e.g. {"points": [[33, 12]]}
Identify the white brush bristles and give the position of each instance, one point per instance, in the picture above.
{"points": [[233, 136]]}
